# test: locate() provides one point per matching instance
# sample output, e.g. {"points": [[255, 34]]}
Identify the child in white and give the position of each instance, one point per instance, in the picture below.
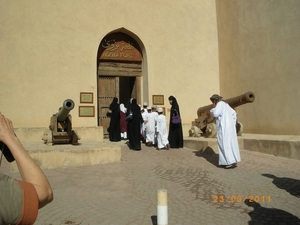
{"points": [[161, 131], [145, 118], [150, 127]]}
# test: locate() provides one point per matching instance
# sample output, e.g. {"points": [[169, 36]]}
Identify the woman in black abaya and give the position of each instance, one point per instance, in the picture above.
{"points": [[175, 130], [134, 126], [114, 125]]}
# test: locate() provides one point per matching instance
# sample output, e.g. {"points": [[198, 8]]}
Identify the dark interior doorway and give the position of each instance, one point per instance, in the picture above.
{"points": [[127, 89]]}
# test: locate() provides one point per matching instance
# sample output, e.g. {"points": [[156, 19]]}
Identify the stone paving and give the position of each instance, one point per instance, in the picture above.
{"points": [[263, 189]]}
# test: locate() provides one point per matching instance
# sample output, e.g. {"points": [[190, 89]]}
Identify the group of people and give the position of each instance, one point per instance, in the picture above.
{"points": [[118, 125], [146, 125], [149, 125], [154, 130]]}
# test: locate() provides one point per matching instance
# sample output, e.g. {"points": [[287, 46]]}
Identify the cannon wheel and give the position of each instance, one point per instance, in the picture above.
{"points": [[194, 131], [211, 130], [47, 137], [239, 129]]}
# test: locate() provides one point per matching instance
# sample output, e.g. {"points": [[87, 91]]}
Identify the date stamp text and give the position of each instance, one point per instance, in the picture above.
{"points": [[242, 198]]}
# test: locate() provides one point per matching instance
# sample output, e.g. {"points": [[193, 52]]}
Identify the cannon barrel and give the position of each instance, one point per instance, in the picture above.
{"points": [[248, 97], [63, 112]]}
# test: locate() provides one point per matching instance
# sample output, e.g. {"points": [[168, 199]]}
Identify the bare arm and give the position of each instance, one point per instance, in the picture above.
{"points": [[29, 170]]}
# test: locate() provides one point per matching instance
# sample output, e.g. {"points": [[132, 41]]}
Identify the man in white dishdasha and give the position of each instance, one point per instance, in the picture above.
{"points": [[226, 118]]}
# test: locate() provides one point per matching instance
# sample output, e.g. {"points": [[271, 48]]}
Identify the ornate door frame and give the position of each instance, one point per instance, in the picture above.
{"points": [[119, 57]]}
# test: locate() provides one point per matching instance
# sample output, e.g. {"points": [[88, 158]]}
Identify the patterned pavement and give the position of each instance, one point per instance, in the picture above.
{"points": [[262, 189]]}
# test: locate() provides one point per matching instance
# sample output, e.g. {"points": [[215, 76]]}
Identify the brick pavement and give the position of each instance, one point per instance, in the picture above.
{"points": [[124, 193]]}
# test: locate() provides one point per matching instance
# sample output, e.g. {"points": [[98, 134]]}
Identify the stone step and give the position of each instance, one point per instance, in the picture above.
{"points": [[67, 155]]}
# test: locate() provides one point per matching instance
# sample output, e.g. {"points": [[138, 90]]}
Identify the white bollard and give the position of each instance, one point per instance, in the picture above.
{"points": [[162, 207]]}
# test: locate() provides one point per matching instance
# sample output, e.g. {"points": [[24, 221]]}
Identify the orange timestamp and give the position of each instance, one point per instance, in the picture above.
{"points": [[241, 198]]}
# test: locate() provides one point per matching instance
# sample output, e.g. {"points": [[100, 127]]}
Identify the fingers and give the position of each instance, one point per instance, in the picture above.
{"points": [[2, 119], [5, 124]]}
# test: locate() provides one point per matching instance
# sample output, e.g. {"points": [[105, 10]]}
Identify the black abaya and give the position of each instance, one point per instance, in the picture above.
{"points": [[175, 130], [114, 125], [134, 126]]}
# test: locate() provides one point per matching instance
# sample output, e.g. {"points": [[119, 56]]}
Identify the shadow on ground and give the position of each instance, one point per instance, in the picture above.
{"points": [[261, 215], [209, 154], [292, 186]]}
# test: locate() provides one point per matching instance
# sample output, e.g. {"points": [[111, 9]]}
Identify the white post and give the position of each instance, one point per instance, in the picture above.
{"points": [[162, 207]]}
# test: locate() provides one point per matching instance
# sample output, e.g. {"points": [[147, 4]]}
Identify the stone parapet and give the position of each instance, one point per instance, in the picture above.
{"points": [[66, 155], [278, 145]]}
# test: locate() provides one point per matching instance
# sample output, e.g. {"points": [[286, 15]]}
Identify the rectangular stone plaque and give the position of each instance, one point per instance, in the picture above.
{"points": [[86, 97], [158, 99], [86, 111]]}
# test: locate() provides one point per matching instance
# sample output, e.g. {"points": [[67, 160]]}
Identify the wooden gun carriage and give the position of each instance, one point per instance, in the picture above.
{"points": [[61, 126]]}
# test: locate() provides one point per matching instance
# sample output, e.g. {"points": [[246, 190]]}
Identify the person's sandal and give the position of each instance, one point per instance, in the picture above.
{"points": [[233, 165]]}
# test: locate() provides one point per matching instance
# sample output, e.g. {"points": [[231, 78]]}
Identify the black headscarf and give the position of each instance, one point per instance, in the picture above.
{"points": [[175, 106], [134, 107], [114, 104]]}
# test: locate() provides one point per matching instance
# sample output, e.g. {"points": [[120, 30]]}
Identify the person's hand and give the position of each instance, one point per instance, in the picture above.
{"points": [[6, 128]]}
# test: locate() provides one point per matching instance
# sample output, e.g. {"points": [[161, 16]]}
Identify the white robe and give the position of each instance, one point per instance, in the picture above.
{"points": [[150, 127], [143, 125], [161, 128], [226, 133]]}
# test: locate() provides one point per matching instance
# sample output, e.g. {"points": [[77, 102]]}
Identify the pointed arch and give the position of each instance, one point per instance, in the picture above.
{"points": [[121, 71]]}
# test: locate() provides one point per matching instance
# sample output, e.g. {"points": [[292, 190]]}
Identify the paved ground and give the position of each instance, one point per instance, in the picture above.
{"points": [[199, 192]]}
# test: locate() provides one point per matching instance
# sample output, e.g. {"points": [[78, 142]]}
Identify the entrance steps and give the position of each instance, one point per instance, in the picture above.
{"points": [[92, 149]]}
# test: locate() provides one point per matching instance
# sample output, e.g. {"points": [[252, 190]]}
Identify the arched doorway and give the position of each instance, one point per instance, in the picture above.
{"points": [[119, 65]]}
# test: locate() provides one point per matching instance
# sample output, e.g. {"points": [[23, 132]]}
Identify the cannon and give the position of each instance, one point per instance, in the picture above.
{"points": [[61, 126], [206, 122]]}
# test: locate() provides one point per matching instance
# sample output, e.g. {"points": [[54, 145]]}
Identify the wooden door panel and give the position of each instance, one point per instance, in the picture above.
{"points": [[108, 88]]}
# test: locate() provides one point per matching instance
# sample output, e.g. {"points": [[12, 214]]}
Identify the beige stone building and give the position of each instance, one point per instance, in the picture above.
{"points": [[91, 51]]}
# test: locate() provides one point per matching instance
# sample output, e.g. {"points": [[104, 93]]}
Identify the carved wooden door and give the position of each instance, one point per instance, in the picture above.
{"points": [[108, 88]]}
